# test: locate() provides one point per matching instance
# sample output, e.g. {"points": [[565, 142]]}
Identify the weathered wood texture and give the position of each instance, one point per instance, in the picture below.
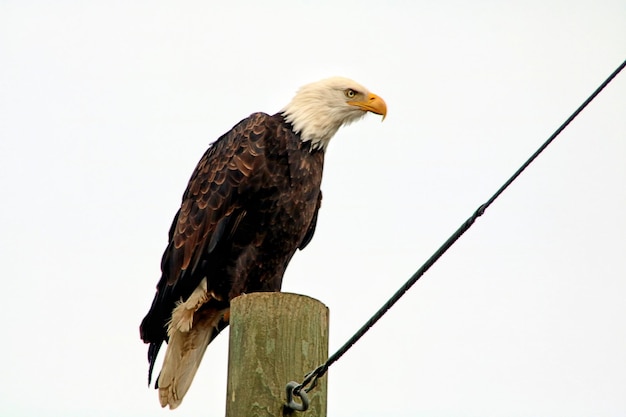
{"points": [[274, 338]]}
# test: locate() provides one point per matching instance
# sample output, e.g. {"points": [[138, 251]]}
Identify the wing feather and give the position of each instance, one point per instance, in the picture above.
{"points": [[210, 197], [212, 207], [311, 229]]}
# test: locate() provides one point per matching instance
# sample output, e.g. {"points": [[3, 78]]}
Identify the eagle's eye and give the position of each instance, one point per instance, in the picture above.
{"points": [[350, 93]]}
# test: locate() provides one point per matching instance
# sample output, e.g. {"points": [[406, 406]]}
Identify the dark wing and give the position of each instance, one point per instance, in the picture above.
{"points": [[213, 201], [311, 230], [212, 207]]}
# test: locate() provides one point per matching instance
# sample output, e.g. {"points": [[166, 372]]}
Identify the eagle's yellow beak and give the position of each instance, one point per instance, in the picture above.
{"points": [[373, 103]]}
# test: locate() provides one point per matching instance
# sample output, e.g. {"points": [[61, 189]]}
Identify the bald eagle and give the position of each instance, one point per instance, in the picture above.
{"points": [[250, 203]]}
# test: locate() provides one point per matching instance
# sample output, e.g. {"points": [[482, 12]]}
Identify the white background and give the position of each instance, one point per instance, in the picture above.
{"points": [[106, 106]]}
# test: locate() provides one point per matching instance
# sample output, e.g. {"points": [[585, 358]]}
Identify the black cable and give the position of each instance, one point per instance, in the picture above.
{"points": [[312, 377]]}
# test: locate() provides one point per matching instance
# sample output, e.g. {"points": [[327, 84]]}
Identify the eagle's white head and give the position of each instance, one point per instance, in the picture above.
{"points": [[319, 109]]}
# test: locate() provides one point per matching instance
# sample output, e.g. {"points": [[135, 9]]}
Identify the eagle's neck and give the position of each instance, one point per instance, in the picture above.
{"points": [[311, 128], [314, 123]]}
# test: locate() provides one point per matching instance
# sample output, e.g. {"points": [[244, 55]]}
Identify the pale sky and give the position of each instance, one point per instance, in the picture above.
{"points": [[106, 107]]}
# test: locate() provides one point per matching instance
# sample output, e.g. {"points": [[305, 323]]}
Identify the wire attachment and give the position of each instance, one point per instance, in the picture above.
{"points": [[301, 390], [293, 388]]}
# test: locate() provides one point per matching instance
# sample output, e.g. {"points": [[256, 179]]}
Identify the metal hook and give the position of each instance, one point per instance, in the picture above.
{"points": [[293, 388]]}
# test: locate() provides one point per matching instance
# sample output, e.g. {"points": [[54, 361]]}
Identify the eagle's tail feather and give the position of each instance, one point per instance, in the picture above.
{"points": [[153, 351], [183, 355]]}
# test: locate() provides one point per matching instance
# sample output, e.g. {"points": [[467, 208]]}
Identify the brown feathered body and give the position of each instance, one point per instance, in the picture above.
{"points": [[250, 203]]}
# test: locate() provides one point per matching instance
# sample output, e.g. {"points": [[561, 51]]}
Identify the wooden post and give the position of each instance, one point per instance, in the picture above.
{"points": [[274, 338]]}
